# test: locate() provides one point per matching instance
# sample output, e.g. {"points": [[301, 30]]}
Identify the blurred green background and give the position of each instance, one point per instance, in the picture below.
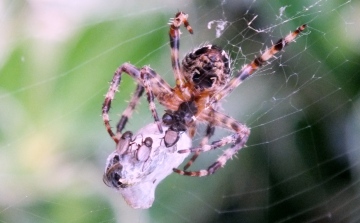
{"points": [[301, 163]]}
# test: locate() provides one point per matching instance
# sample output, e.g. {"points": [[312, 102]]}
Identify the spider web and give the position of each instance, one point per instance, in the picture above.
{"points": [[301, 163]]}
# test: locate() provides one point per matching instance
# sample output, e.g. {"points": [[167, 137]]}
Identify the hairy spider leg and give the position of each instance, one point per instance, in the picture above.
{"points": [[146, 75], [258, 62], [145, 78], [210, 130], [109, 97], [174, 34], [129, 109], [239, 139]]}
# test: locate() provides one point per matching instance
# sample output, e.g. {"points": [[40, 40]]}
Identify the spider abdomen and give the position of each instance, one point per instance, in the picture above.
{"points": [[207, 67]]}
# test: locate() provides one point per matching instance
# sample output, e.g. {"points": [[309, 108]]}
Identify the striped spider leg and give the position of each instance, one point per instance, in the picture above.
{"points": [[146, 78]]}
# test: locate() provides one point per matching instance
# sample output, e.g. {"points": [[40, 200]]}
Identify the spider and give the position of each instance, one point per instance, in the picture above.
{"points": [[140, 162], [201, 82]]}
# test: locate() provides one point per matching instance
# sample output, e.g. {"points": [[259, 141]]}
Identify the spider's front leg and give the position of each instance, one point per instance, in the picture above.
{"points": [[129, 109], [145, 78], [174, 34], [239, 139]]}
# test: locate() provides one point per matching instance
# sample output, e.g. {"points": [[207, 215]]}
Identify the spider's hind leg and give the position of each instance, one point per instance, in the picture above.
{"points": [[110, 95], [129, 109], [154, 85]]}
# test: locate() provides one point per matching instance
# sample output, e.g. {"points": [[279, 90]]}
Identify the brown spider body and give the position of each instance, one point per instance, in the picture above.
{"points": [[201, 82], [205, 71]]}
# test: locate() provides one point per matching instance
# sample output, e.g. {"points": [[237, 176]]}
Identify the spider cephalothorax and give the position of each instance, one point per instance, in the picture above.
{"points": [[178, 121], [201, 82]]}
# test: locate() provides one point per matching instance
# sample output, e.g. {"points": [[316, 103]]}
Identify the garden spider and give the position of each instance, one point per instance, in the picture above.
{"points": [[201, 82]]}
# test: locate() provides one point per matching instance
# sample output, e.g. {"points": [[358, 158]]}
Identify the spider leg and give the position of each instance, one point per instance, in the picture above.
{"points": [[148, 75], [174, 34], [210, 129], [258, 62], [146, 78], [129, 110], [239, 139], [109, 97]]}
